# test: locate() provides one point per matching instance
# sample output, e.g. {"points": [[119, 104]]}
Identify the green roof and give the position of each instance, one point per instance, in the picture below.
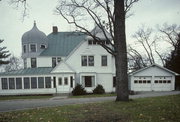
{"points": [[62, 43], [29, 71]]}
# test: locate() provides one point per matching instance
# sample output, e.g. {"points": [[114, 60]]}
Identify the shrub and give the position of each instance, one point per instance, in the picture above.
{"points": [[78, 90], [99, 90]]}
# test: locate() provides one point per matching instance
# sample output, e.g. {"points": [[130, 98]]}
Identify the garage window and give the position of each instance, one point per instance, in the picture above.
{"points": [[148, 81], [135, 81], [168, 81], [156, 81]]}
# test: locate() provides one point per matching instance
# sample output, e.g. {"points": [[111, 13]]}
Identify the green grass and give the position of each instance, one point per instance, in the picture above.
{"points": [[24, 97], [157, 109], [92, 95]]}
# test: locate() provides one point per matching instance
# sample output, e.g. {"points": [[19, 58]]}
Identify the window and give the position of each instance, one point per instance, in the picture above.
{"points": [[160, 81], [4, 83], [60, 81], [144, 81], [88, 81], [71, 80], [24, 49], [135, 81], [91, 60], [59, 59], [11, 83], [148, 81], [33, 82], [26, 83], [168, 81], [25, 63], [53, 61], [140, 81], [32, 47], [87, 60], [54, 82], [43, 46], [104, 60], [164, 81], [48, 82], [114, 81], [65, 81], [33, 63], [18, 83], [90, 42], [40, 82], [84, 60]]}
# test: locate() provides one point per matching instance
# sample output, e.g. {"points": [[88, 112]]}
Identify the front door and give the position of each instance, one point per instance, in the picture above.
{"points": [[63, 84]]}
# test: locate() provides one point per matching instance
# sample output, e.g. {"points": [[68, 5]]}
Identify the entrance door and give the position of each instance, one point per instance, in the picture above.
{"points": [[63, 84]]}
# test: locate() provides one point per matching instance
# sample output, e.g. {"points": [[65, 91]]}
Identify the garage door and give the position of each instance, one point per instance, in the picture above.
{"points": [[162, 83], [142, 83]]}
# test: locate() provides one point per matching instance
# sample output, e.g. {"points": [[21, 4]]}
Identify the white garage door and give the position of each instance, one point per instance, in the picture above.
{"points": [[162, 83], [142, 83]]}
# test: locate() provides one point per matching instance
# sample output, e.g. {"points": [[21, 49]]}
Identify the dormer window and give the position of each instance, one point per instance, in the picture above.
{"points": [[93, 42], [32, 47], [43, 46]]}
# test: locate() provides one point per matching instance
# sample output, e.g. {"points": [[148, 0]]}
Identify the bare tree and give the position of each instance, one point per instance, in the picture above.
{"points": [[139, 60], [143, 38], [169, 34], [108, 16], [14, 64]]}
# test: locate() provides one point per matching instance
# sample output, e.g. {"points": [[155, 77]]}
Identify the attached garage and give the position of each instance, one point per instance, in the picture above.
{"points": [[152, 78]]}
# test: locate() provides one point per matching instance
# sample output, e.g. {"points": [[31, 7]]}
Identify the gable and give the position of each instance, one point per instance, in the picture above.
{"points": [[62, 68]]}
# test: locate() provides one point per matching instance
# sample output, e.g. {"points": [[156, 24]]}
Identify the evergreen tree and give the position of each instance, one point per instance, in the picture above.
{"points": [[4, 54]]}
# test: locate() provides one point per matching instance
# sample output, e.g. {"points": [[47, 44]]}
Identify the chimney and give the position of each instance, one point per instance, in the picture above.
{"points": [[55, 29]]}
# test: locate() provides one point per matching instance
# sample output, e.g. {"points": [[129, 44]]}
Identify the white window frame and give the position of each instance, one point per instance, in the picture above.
{"points": [[88, 74], [106, 61], [30, 47], [87, 56], [26, 48]]}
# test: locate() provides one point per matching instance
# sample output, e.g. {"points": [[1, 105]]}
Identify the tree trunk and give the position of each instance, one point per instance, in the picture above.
{"points": [[121, 52]]}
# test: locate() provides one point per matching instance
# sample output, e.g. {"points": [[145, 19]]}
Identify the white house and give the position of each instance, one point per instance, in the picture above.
{"points": [[55, 63], [152, 78]]}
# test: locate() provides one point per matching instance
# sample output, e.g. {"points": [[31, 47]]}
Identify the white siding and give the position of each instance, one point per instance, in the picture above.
{"points": [[97, 51]]}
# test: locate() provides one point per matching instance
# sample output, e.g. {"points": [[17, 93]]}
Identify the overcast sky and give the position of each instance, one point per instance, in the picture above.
{"points": [[147, 12]]}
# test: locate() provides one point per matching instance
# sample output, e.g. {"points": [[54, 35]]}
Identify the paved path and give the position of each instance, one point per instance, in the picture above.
{"points": [[13, 105]]}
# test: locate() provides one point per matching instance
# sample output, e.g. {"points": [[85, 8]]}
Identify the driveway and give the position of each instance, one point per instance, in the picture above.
{"points": [[13, 105]]}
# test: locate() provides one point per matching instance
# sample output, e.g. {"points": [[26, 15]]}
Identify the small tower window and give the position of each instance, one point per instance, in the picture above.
{"points": [[24, 49], [43, 46], [32, 47]]}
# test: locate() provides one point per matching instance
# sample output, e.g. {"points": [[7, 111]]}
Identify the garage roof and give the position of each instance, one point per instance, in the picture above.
{"points": [[132, 73]]}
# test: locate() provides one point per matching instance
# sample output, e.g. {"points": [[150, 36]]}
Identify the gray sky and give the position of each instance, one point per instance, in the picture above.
{"points": [[147, 12]]}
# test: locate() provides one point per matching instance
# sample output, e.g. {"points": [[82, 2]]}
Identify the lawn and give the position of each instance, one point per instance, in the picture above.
{"points": [[25, 97], [157, 109]]}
